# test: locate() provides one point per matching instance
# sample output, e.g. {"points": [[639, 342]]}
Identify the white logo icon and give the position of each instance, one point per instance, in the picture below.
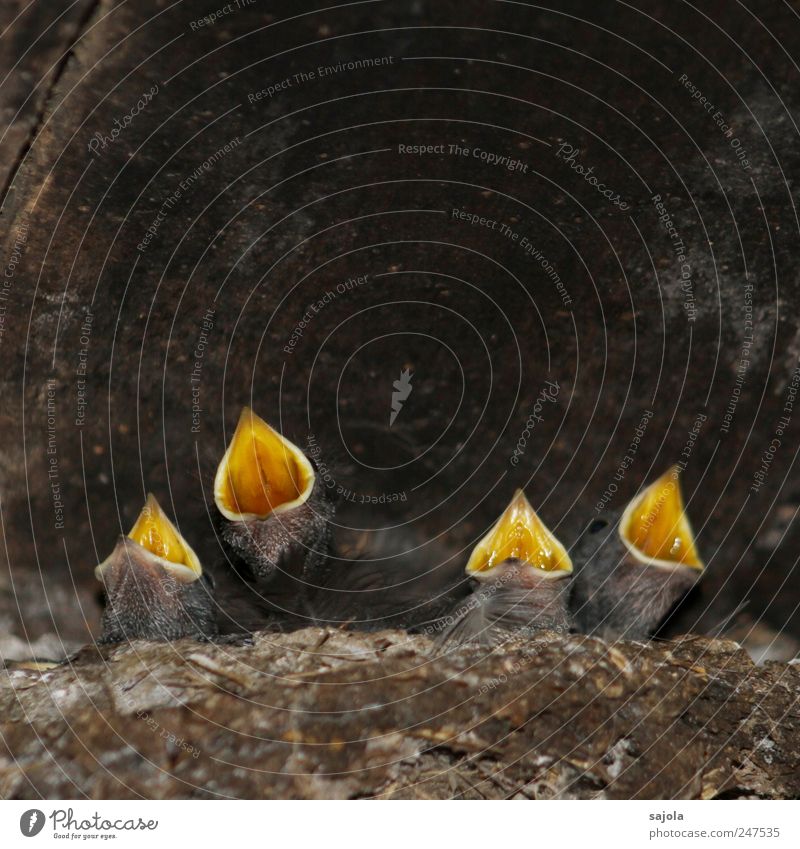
{"points": [[402, 389]]}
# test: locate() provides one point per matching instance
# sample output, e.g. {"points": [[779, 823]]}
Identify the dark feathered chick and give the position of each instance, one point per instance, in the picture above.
{"points": [[388, 578], [275, 512], [154, 584], [519, 571], [632, 568]]}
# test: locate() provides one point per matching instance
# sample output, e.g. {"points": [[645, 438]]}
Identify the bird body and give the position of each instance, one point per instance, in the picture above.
{"points": [[275, 513], [517, 601], [521, 581], [154, 584], [387, 579], [294, 543], [633, 568], [276, 518]]}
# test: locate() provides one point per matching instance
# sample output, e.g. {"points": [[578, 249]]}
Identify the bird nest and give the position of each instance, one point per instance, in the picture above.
{"points": [[327, 713]]}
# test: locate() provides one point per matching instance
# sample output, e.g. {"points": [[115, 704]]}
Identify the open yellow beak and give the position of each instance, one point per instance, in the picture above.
{"points": [[261, 473], [655, 528], [154, 532], [520, 534]]}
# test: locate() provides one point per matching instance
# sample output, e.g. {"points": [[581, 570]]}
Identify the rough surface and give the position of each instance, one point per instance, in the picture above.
{"points": [[329, 714], [37, 40]]}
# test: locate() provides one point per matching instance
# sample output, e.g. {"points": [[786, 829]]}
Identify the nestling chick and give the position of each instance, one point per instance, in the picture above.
{"points": [[520, 571], [389, 578], [154, 584], [275, 510], [631, 570]]}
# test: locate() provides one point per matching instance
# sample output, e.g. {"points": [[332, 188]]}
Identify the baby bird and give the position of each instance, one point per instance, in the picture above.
{"points": [[276, 514], [519, 570], [632, 569], [154, 584], [388, 578]]}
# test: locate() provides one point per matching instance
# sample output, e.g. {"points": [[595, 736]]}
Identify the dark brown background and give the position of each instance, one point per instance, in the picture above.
{"points": [[316, 192]]}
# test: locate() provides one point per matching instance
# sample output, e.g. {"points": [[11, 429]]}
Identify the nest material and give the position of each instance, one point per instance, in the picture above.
{"points": [[332, 714]]}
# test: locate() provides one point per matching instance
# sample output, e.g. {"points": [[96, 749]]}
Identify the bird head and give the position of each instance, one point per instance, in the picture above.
{"points": [[262, 473], [154, 583], [521, 537], [155, 539], [655, 528]]}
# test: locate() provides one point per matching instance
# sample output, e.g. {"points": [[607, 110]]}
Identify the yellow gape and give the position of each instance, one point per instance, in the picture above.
{"points": [[519, 533], [655, 527], [261, 472], [154, 531]]}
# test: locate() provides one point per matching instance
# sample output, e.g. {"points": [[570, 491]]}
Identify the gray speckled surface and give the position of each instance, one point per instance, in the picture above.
{"points": [[324, 714]]}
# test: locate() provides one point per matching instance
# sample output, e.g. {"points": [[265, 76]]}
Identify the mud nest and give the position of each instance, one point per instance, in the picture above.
{"points": [[331, 714]]}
